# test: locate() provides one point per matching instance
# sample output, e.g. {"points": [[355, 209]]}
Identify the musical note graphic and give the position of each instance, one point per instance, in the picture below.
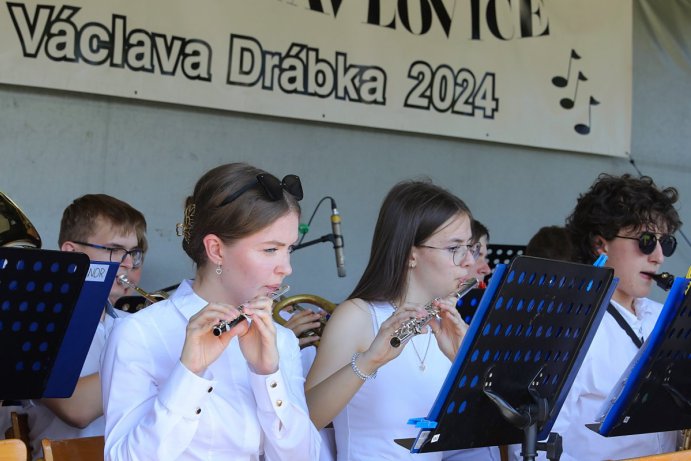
{"points": [[568, 103], [560, 81], [582, 128]]}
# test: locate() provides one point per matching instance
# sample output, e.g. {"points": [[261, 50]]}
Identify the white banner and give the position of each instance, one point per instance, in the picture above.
{"points": [[548, 73]]}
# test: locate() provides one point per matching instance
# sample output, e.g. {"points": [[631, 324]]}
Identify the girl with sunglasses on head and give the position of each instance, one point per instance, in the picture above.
{"points": [[199, 375], [631, 221], [422, 251]]}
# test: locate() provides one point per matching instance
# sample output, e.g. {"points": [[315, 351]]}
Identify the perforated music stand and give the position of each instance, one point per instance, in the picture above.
{"points": [[519, 357], [654, 392], [498, 253], [468, 304], [50, 306]]}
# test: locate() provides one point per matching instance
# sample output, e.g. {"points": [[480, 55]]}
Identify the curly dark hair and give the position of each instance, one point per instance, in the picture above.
{"points": [[618, 202]]}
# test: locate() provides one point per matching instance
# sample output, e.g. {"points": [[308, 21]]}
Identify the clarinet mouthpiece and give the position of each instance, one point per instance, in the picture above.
{"points": [[664, 280]]}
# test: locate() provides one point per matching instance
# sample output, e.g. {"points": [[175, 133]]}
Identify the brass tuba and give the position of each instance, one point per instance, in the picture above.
{"points": [[15, 228], [293, 301]]}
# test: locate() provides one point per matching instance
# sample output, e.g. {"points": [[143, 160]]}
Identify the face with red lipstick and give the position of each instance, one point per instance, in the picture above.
{"points": [[631, 265]]}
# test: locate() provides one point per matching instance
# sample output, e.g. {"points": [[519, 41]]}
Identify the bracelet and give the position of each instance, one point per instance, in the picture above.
{"points": [[359, 372]]}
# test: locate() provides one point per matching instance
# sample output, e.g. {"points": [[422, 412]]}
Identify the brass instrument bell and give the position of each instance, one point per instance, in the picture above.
{"points": [[294, 302], [15, 228]]}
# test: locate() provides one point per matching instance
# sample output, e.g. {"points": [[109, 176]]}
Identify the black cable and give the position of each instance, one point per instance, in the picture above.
{"points": [[640, 174], [313, 214]]}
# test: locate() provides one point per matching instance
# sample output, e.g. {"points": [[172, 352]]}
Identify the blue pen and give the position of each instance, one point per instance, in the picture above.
{"points": [[601, 260]]}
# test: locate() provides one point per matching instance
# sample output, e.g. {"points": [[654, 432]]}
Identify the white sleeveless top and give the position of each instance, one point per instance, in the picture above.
{"points": [[378, 413]]}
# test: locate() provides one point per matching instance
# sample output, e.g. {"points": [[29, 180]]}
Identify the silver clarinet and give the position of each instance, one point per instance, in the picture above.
{"points": [[223, 326], [414, 326]]}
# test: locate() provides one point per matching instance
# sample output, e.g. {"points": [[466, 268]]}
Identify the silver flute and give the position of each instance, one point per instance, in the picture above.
{"points": [[226, 325], [414, 326]]}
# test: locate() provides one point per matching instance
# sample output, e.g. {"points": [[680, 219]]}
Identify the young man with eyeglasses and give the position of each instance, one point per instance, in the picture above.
{"points": [[631, 221], [105, 229]]}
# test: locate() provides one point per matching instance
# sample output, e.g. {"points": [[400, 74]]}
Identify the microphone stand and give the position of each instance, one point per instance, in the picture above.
{"points": [[335, 237], [324, 238]]}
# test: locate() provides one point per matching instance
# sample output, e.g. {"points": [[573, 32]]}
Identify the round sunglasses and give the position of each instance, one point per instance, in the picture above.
{"points": [[647, 242]]}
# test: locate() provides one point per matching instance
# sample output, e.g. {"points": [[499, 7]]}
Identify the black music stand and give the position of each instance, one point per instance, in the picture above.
{"points": [[654, 392], [501, 254], [468, 304], [519, 358], [50, 305]]}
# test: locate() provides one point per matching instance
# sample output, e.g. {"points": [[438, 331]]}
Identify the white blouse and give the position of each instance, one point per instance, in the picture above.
{"points": [[156, 409]]}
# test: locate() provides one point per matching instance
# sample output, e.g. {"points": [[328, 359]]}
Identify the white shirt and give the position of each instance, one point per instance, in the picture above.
{"points": [[156, 409], [607, 358], [43, 423]]}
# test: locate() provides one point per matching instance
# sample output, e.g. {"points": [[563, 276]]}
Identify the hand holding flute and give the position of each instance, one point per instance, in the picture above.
{"points": [[439, 315], [442, 317], [224, 325], [448, 326], [257, 338]]}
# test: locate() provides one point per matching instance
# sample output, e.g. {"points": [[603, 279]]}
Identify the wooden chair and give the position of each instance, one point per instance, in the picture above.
{"points": [[13, 450], [19, 430], [684, 455], [81, 449]]}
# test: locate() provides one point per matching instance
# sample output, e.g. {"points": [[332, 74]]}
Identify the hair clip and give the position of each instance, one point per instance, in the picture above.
{"points": [[183, 229]]}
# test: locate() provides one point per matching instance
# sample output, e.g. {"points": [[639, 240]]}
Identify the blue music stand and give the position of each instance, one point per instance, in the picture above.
{"points": [[50, 305], [519, 357], [654, 392]]}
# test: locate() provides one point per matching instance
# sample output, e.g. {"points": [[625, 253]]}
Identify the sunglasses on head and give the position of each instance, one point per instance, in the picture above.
{"points": [[647, 242], [272, 187]]}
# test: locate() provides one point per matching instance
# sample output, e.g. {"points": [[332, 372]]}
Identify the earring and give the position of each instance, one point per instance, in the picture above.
{"points": [[219, 269], [412, 264]]}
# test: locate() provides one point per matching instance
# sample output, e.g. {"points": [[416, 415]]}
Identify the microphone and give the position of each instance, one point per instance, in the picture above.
{"points": [[338, 239]]}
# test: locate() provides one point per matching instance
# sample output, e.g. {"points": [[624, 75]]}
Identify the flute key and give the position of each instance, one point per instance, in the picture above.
{"points": [[414, 326]]}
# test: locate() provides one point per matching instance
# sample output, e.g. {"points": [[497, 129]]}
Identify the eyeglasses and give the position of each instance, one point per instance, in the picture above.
{"points": [[118, 255], [273, 188], [647, 242], [458, 252]]}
